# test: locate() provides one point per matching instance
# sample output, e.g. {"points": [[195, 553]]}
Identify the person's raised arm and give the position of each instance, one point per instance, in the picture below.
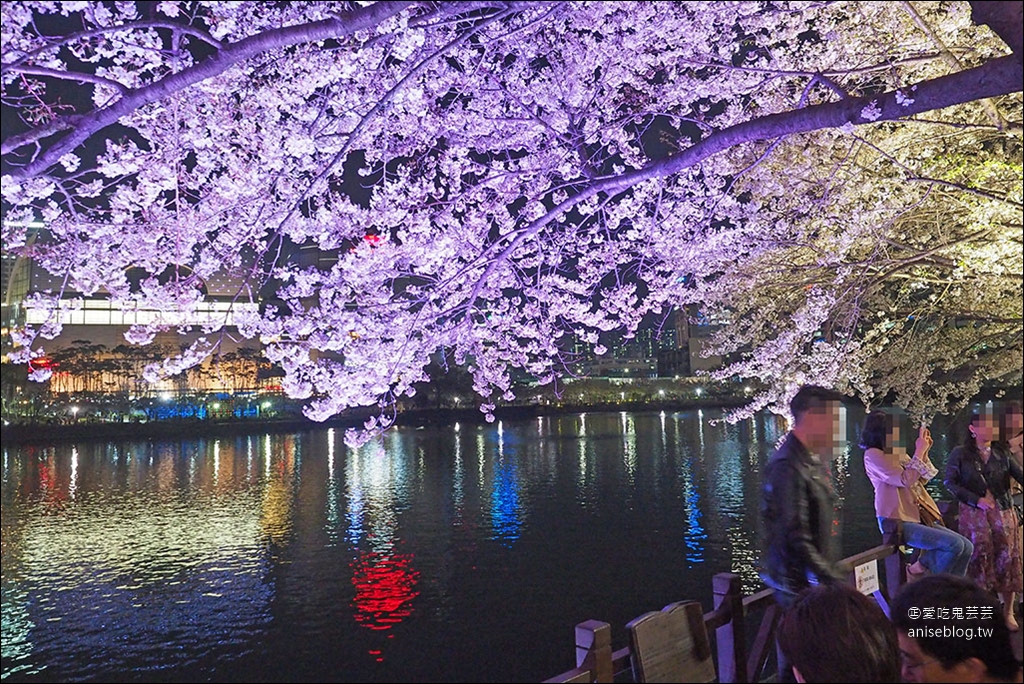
{"points": [[921, 461], [923, 443]]}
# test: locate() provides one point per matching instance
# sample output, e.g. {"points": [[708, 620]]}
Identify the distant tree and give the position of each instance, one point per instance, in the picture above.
{"points": [[237, 369], [13, 385], [131, 363], [122, 368], [492, 176], [79, 367], [198, 377]]}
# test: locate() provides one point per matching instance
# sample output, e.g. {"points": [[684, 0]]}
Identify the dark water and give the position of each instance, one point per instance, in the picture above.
{"points": [[449, 553]]}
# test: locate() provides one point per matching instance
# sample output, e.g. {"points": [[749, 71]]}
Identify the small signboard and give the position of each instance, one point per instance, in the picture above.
{"points": [[867, 577]]}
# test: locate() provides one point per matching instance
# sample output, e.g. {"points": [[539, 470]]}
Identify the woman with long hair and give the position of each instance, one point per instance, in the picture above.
{"points": [[978, 474], [899, 482]]}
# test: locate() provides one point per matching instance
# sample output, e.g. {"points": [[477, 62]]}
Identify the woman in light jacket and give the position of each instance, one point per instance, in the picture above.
{"points": [[899, 486]]}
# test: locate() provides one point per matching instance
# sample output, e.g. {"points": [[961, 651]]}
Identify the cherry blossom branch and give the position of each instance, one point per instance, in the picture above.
{"points": [[83, 126], [992, 78], [74, 76], [949, 58], [52, 44]]}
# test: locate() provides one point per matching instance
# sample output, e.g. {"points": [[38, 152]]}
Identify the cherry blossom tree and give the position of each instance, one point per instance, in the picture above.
{"points": [[838, 181]]}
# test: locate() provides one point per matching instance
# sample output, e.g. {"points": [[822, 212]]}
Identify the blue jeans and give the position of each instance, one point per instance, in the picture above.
{"points": [[942, 549]]}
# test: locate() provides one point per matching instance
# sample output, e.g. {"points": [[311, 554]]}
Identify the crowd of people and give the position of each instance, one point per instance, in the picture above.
{"points": [[942, 628], [953, 618]]}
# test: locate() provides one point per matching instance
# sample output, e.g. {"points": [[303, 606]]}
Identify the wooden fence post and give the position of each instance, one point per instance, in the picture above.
{"points": [[594, 649], [731, 638], [895, 573]]}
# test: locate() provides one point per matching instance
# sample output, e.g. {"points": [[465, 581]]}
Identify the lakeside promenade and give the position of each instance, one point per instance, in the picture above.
{"points": [[44, 432], [288, 417]]}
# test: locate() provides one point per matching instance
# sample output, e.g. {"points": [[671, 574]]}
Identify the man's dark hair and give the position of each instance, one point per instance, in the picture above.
{"points": [[875, 432], [834, 633], [811, 397], [918, 605]]}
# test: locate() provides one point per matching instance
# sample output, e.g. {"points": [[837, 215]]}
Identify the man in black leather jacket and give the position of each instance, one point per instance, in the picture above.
{"points": [[797, 503]]}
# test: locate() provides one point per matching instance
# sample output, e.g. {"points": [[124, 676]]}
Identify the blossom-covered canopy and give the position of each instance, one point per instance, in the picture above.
{"points": [[838, 183]]}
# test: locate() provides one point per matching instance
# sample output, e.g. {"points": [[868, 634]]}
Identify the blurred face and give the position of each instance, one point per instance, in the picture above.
{"points": [[821, 426], [1015, 421], [983, 429]]}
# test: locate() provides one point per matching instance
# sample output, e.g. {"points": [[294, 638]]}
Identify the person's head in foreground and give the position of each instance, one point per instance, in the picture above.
{"points": [[834, 633], [952, 630], [815, 412]]}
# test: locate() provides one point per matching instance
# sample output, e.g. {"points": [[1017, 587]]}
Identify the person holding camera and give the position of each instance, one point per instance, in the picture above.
{"points": [[904, 508]]}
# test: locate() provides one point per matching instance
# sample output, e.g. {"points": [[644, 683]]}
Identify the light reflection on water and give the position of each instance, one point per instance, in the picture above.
{"points": [[451, 553], [104, 557]]}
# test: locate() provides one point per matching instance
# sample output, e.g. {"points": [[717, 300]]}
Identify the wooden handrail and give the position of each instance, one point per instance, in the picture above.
{"points": [[731, 637], [597, 662]]}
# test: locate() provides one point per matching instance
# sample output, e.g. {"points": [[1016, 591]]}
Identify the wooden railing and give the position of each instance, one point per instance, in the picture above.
{"points": [[726, 625]]}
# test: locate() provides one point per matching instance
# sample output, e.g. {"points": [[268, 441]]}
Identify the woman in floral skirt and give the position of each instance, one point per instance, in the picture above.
{"points": [[978, 474]]}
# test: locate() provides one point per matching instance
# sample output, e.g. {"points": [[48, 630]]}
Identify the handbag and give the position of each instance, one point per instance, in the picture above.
{"points": [[929, 510], [926, 506]]}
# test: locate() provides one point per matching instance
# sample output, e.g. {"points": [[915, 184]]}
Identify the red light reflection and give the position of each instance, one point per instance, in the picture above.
{"points": [[385, 587]]}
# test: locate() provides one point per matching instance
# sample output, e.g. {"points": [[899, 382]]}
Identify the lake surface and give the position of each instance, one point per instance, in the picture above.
{"points": [[454, 553]]}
